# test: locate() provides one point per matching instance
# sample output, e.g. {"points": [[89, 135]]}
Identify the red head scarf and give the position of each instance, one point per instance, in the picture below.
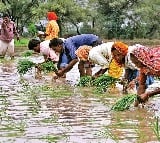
{"points": [[52, 16], [121, 47]]}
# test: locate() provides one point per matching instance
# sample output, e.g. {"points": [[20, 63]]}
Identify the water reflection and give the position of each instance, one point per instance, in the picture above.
{"points": [[33, 113]]}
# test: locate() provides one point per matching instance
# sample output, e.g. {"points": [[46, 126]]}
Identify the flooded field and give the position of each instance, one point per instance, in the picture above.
{"points": [[46, 111]]}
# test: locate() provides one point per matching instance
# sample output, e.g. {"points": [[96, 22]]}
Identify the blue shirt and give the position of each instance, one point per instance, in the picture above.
{"points": [[71, 44]]}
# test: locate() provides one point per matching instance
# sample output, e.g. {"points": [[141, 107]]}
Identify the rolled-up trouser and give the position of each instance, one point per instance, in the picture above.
{"points": [[6, 47]]}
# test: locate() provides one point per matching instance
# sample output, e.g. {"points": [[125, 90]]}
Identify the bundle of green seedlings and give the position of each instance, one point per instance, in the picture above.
{"points": [[101, 83], [124, 103], [48, 66], [26, 65], [27, 53], [85, 81]]}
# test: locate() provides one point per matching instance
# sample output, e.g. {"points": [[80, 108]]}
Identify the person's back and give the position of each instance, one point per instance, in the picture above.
{"points": [[71, 44], [47, 51], [83, 39], [101, 54]]}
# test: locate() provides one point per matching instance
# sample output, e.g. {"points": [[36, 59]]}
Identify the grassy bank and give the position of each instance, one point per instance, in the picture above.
{"points": [[145, 42], [24, 42]]}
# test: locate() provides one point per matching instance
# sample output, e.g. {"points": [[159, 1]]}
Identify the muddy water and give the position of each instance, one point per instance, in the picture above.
{"points": [[44, 111]]}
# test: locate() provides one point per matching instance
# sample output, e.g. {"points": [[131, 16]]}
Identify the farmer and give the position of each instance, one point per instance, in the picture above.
{"points": [[7, 33], [111, 56], [44, 49], [52, 28], [148, 60], [102, 55], [67, 50]]}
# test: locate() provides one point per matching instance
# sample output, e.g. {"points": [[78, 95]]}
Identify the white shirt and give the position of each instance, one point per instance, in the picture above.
{"points": [[101, 54]]}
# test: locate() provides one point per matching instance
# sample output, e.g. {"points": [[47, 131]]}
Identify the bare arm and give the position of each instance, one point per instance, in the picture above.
{"points": [[152, 93], [142, 83], [70, 65], [100, 72], [68, 68]]}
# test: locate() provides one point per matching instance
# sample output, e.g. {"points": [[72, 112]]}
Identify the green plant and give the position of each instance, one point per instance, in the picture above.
{"points": [[85, 81], [23, 42], [24, 66], [124, 103], [156, 128], [27, 53], [48, 66], [103, 82]]}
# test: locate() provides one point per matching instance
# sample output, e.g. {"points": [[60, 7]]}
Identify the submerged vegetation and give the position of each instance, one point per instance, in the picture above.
{"points": [[24, 66], [124, 103], [101, 83]]}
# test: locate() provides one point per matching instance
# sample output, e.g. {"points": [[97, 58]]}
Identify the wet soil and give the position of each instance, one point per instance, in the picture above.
{"points": [[47, 111]]}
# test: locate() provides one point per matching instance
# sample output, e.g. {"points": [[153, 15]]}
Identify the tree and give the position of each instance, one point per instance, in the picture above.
{"points": [[20, 11]]}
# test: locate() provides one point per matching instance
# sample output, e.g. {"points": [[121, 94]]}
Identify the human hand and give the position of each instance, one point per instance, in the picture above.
{"points": [[54, 77], [131, 85], [141, 99], [38, 66], [144, 97], [59, 73], [95, 76], [38, 74]]}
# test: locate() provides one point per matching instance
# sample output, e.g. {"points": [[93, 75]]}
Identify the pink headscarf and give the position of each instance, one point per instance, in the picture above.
{"points": [[52, 16], [148, 56]]}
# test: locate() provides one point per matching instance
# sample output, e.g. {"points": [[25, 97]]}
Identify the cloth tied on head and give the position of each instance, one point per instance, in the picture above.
{"points": [[150, 57], [82, 52], [121, 47], [52, 16]]}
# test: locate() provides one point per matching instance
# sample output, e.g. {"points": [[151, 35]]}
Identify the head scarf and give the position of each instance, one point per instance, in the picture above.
{"points": [[150, 57], [83, 51], [52, 16], [121, 47]]}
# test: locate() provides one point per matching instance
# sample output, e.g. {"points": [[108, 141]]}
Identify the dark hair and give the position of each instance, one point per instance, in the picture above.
{"points": [[33, 43], [113, 48], [5, 15], [55, 42]]}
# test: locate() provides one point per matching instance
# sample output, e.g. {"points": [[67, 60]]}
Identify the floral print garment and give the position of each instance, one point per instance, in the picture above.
{"points": [[150, 58]]}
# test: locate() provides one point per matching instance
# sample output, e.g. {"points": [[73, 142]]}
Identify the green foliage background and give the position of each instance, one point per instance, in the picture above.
{"points": [[122, 19]]}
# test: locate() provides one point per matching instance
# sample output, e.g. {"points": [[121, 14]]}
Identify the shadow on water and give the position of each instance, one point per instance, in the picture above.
{"points": [[42, 111]]}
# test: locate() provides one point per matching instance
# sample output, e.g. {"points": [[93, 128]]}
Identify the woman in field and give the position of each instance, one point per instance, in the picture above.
{"points": [[148, 61], [112, 57]]}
